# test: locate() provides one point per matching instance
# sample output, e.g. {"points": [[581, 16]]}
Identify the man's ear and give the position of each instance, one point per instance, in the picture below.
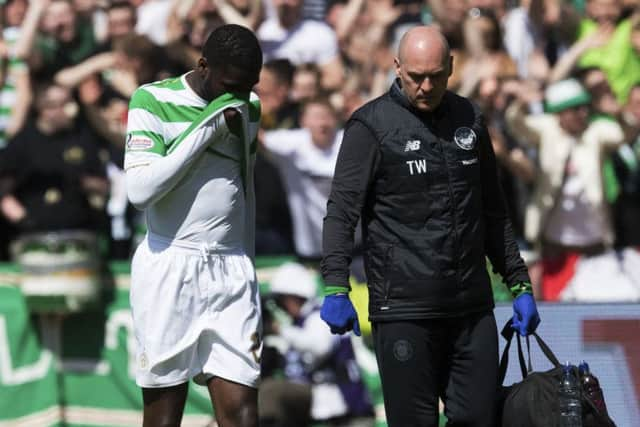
{"points": [[202, 66]]}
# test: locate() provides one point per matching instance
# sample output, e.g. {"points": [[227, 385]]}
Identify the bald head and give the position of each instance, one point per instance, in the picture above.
{"points": [[423, 66], [423, 41]]}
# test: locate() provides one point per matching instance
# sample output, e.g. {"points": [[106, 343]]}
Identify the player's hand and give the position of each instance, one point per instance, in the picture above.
{"points": [[231, 115], [338, 312], [233, 118], [525, 315]]}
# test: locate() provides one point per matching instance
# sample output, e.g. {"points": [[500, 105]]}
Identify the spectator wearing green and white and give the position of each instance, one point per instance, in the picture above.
{"points": [[17, 27], [568, 206], [616, 56], [65, 40], [568, 214], [14, 84]]}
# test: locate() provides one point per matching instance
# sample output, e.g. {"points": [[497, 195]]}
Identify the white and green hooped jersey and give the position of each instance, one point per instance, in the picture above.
{"points": [[8, 93], [188, 170]]}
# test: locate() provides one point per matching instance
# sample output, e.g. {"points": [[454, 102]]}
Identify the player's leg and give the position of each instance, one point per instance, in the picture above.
{"points": [[235, 405], [230, 356], [164, 360], [283, 403], [471, 390], [163, 407]]}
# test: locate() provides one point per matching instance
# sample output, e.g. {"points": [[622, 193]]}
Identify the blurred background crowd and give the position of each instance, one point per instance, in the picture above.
{"points": [[558, 82]]}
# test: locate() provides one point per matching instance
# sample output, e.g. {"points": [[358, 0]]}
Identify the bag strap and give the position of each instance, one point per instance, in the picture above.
{"points": [[507, 333], [529, 365], [545, 350]]}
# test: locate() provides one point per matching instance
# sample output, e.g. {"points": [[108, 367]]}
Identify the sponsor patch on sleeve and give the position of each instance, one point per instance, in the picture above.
{"points": [[472, 161], [138, 142]]}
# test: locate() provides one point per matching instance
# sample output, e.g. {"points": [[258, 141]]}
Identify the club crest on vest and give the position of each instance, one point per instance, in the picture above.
{"points": [[465, 138]]}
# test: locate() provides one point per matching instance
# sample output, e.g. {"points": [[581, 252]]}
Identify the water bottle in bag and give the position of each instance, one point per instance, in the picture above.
{"points": [[591, 387], [570, 414]]}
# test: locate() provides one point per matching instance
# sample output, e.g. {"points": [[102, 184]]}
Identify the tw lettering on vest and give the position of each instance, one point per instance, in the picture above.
{"points": [[419, 165]]}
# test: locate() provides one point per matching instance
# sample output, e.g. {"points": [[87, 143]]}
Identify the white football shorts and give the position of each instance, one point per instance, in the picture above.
{"points": [[195, 315]]}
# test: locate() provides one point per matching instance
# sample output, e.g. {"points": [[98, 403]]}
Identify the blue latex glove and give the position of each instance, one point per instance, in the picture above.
{"points": [[525, 315], [338, 312]]}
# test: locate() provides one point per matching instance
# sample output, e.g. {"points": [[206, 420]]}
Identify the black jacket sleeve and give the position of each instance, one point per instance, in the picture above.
{"points": [[355, 169], [500, 244]]}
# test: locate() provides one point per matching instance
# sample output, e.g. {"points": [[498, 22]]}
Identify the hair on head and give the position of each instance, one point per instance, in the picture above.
{"points": [[121, 4], [322, 100], [282, 68], [235, 45]]}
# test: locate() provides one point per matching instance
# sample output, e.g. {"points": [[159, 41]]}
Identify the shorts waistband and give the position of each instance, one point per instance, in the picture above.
{"points": [[204, 249]]}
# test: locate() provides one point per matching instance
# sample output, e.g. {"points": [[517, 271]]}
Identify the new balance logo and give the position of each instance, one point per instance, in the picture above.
{"points": [[412, 145], [417, 166]]}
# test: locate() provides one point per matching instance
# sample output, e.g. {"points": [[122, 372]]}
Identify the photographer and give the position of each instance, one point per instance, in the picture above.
{"points": [[320, 369]]}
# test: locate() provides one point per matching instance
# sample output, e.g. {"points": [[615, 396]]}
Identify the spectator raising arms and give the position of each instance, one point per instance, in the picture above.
{"points": [[306, 159], [288, 35], [567, 215]]}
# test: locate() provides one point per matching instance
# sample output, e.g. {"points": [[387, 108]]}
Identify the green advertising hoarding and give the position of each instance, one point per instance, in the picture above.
{"points": [[77, 369]]}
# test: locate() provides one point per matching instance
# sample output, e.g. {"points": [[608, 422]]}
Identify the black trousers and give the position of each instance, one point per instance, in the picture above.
{"points": [[455, 359]]}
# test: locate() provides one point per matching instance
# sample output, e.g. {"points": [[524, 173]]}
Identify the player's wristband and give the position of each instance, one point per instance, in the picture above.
{"points": [[521, 288], [334, 290]]}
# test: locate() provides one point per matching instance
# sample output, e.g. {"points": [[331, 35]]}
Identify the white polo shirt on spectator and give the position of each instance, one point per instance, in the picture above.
{"points": [[307, 172], [307, 42], [153, 17]]}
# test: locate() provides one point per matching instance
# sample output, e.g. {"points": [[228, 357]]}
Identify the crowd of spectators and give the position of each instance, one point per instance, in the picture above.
{"points": [[558, 81]]}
